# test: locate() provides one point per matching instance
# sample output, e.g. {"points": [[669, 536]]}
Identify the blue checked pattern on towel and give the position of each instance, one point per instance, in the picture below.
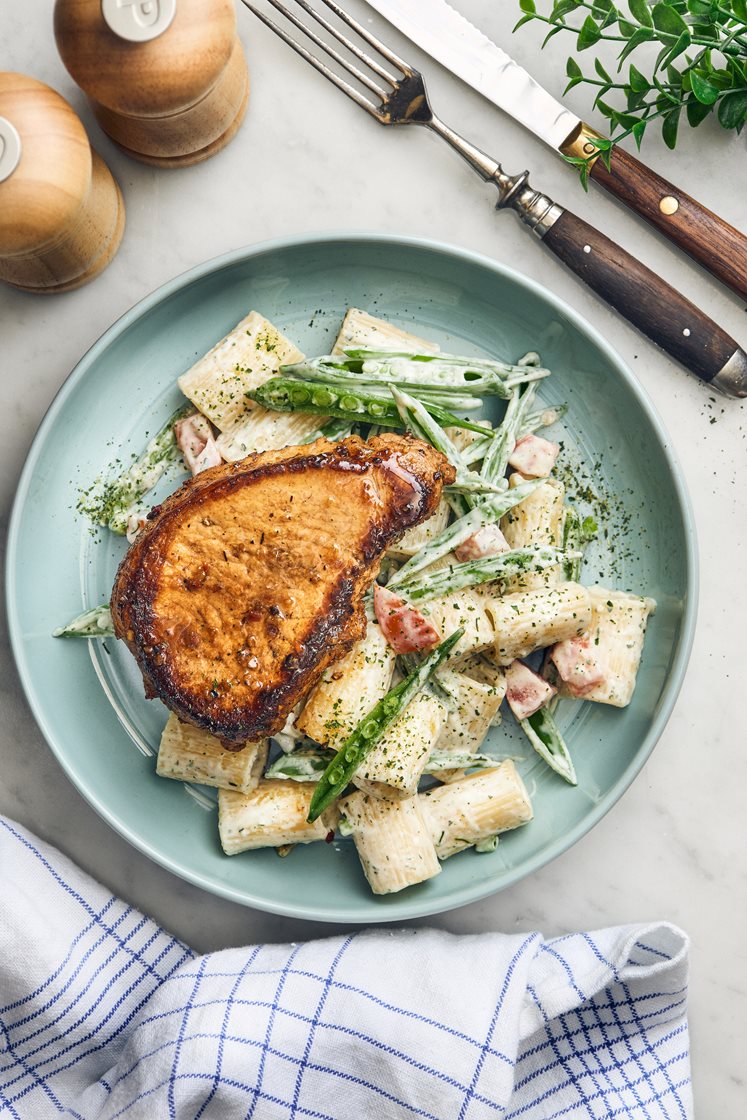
{"points": [[104, 1015]]}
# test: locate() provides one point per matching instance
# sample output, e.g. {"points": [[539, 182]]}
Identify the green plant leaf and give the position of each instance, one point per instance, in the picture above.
{"points": [[550, 35], [678, 48], [606, 110], [703, 9], [588, 35], [667, 20], [642, 35], [670, 126], [528, 6], [740, 9], [637, 81], [601, 71], [640, 10], [732, 110], [697, 111], [563, 8], [704, 90], [574, 73], [638, 131]]}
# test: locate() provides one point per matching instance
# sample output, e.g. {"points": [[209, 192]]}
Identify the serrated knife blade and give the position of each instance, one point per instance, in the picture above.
{"points": [[462, 48]]}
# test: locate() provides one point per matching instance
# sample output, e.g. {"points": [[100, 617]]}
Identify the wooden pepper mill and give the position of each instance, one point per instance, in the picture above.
{"points": [[167, 79], [61, 212]]}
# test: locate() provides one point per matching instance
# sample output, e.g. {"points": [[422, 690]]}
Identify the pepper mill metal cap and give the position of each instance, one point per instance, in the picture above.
{"points": [[61, 213]]}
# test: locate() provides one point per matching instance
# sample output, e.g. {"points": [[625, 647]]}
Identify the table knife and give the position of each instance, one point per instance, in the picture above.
{"points": [[458, 45]]}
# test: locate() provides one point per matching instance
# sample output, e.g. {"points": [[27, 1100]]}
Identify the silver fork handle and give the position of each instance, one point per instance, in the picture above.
{"points": [[658, 310]]}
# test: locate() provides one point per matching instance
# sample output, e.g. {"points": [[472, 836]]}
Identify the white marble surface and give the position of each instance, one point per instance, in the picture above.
{"points": [[307, 160]]}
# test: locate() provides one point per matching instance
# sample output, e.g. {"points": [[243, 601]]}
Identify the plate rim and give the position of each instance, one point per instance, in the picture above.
{"points": [[406, 907]]}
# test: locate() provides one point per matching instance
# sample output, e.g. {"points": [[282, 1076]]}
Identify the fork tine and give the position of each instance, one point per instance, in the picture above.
{"points": [[346, 88], [359, 54], [377, 44], [345, 63]]}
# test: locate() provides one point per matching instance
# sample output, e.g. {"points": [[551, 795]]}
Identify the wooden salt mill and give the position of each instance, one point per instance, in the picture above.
{"points": [[61, 212], [167, 79]]}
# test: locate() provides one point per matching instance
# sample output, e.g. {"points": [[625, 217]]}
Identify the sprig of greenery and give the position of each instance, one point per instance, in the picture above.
{"points": [[700, 69]]}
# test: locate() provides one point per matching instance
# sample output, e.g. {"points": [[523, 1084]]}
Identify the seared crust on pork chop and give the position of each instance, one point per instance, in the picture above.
{"points": [[248, 581]]}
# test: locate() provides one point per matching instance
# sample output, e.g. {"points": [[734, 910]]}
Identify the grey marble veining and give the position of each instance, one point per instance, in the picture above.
{"points": [[307, 160]]}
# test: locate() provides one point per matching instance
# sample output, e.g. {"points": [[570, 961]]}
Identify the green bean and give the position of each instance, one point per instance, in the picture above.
{"points": [[461, 530], [94, 623], [111, 503], [542, 732], [434, 585], [446, 397], [542, 418], [458, 760], [418, 420], [286, 394], [497, 456], [370, 729], [300, 766], [442, 372]]}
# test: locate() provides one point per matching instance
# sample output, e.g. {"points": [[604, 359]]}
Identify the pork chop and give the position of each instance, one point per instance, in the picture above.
{"points": [[248, 582]]}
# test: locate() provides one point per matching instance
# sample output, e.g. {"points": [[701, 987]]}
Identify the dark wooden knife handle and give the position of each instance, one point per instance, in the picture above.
{"points": [[647, 301], [712, 242]]}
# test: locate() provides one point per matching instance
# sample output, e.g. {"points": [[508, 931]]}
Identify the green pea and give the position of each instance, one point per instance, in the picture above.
{"points": [[323, 398]]}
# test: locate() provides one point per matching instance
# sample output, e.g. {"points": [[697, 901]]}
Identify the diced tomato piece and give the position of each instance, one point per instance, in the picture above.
{"points": [[405, 628], [488, 541], [194, 437], [580, 663], [534, 456], [526, 692]]}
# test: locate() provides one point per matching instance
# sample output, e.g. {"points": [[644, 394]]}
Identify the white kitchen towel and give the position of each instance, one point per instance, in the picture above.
{"points": [[103, 1014]]}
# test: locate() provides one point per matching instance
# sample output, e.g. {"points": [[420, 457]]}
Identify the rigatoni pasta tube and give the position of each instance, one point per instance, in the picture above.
{"points": [[392, 839], [394, 767], [248, 356], [477, 807], [475, 706], [420, 535], [466, 609], [615, 639], [366, 332], [189, 754], [536, 520], [529, 620], [273, 814], [348, 690]]}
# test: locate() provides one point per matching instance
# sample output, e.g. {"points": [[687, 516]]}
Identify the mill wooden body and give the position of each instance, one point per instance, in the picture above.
{"points": [[167, 79], [61, 212]]}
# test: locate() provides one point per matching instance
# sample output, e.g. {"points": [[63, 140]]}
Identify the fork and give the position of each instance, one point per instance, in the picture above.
{"points": [[660, 312]]}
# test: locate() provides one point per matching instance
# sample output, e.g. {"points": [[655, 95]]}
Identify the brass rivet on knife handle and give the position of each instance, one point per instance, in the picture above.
{"points": [[580, 144], [705, 236]]}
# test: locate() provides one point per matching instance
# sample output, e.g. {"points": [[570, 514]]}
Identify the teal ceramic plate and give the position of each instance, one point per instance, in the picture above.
{"points": [[88, 697]]}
